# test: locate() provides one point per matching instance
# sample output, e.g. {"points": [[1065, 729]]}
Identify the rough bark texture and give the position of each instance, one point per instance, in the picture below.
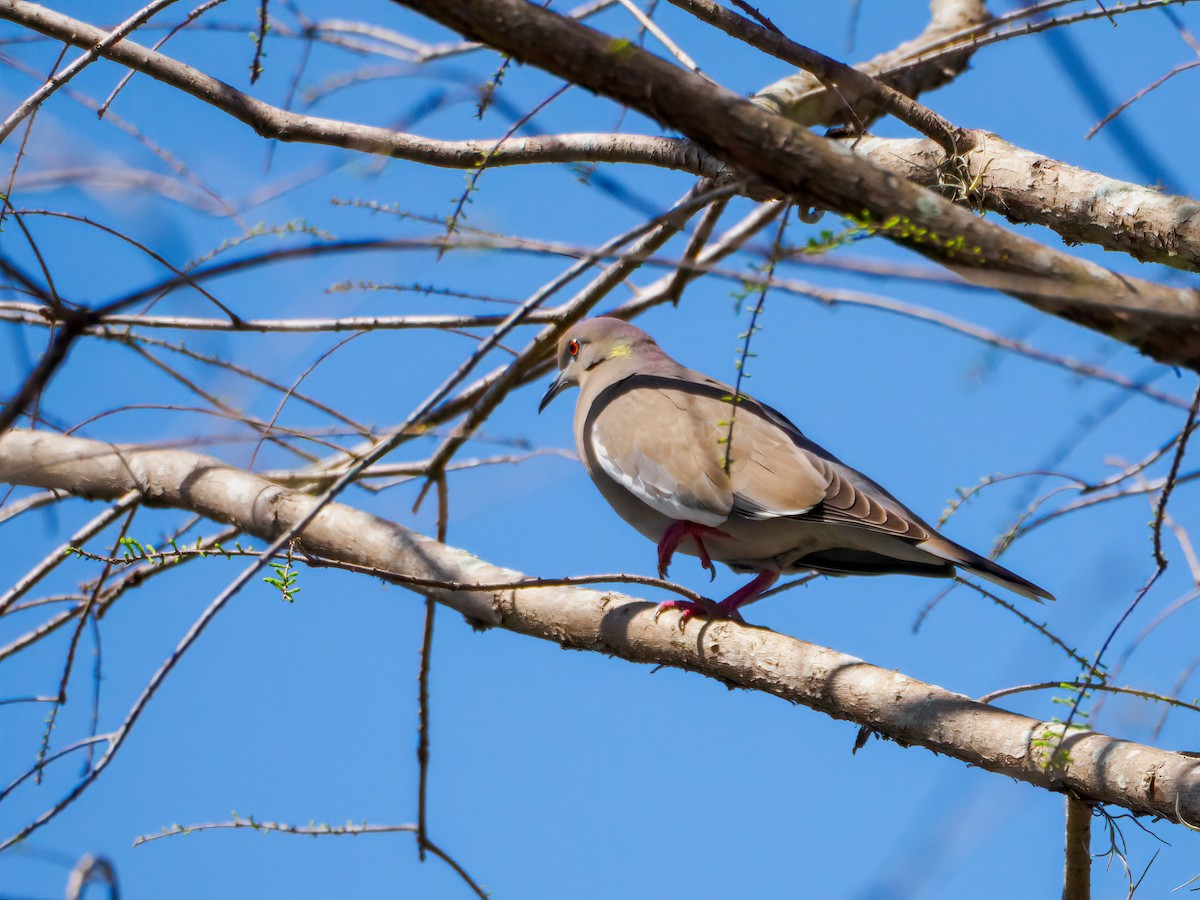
{"points": [[1082, 207], [1100, 768], [1162, 322]]}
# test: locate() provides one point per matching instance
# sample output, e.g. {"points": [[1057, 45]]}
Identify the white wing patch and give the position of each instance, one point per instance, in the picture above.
{"points": [[751, 509], [654, 486]]}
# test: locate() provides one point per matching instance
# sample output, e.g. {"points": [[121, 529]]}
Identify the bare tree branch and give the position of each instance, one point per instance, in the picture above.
{"points": [[1077, 867], [850, 81], [1080, 206], [1162, 322], [1098, 768], [803, 99], [34, 100], [280, 124]]}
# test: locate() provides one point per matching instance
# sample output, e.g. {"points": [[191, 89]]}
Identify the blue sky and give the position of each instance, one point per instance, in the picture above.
{"points": [[566, 774]]}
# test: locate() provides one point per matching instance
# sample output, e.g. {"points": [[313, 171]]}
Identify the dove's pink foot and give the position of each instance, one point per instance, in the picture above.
{"points": [[727, 608], [676, 535], [690, 608]]}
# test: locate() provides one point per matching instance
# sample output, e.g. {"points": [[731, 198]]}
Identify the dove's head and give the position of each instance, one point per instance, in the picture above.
{"points": [[598, 348]]}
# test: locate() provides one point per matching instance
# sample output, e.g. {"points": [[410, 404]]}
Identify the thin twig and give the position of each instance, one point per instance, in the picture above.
{"points": [[1160, 562], [260, 38], [663, 38], [38, 97], [278, 827], [85, 615], [751, 329], [54, 559], [267, 431], [1139, 95], [1174, 702], [443, 518]]}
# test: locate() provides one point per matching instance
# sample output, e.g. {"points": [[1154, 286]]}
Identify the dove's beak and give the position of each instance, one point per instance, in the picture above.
{"points": [[555, 387]]}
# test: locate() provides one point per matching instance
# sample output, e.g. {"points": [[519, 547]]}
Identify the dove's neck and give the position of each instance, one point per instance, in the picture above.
{"points": [[649, 359]]}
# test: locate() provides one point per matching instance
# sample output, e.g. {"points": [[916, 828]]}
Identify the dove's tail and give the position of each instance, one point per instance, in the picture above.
{"points": [[972, 562]]}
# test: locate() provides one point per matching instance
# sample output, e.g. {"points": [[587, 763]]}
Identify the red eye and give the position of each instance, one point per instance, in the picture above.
{"points": [[573, 348]]}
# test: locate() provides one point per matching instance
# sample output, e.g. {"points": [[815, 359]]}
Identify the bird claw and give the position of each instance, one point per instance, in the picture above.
{"points": [[666, 550], [705, 560], [727, 608], [675, 535], [691, 608]]}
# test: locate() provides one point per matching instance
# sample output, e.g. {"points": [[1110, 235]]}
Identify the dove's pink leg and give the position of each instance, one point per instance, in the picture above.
{"points": [[761, 583], [676, 535], [727, 608]]}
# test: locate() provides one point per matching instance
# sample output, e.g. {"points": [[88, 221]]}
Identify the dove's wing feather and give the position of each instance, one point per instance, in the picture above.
{"points": [[666, 439]]}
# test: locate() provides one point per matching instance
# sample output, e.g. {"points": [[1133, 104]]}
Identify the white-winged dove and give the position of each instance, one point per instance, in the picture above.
{"points": [[760, 497]]}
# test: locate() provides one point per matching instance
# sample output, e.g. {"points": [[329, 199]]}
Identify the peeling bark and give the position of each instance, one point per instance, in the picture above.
{"points": [[1028, 188]]}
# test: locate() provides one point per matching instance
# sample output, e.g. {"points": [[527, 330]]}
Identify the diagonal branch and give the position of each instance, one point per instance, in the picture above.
{"points": [[1081, 206], [1099, 768], [1162, 322], [1029, 188], [907, 68], [283, 125], [849, 81]]}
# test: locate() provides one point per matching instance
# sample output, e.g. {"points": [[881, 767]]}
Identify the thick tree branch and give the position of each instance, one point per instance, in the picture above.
{"points": [[1162, 322], [1099, 768], [1029, 188]]}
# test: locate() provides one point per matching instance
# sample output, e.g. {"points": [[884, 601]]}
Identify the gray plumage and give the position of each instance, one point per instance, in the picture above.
{"points": [[653, 436]]}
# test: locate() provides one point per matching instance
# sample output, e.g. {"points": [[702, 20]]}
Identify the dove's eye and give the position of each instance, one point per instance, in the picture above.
{"points": [[573, 348]]}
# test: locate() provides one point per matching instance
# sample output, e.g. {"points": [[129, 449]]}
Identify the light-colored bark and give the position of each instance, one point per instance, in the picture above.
{"points": [[803, 99], [1162, 322], [283, 125], [1099, 768], [860, 96], [1029, 188]]}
